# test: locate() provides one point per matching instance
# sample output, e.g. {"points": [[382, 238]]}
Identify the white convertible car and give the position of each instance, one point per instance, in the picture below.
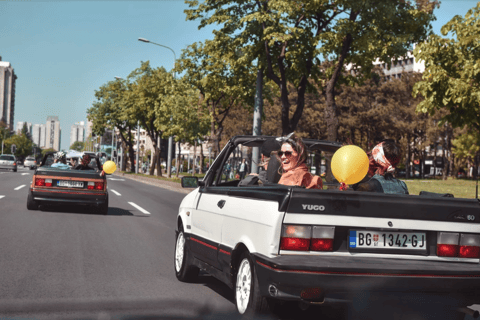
{"points": [[272, 242]]}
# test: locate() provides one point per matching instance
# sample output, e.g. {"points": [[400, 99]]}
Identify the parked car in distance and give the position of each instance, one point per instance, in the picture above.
{"points": [[8, 162]]}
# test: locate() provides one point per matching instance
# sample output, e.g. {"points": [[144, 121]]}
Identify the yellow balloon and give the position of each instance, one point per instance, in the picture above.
{"points": [[109, 167], [350, 164]]}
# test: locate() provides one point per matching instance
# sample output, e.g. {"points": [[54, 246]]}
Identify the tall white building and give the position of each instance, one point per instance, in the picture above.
{"points": [[20, 125], [53, 133], [38, 134], [8, 79], [77, 132]]}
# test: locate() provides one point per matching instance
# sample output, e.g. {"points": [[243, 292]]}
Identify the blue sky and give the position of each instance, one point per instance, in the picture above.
{"points": [[62, 51]]}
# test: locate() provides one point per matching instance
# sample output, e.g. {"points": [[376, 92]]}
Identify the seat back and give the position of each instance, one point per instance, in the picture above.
{"points": [[273, 176]]}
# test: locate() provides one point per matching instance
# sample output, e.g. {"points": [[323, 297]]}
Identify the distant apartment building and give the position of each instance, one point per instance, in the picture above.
{"points": [[88, 130], [404, 64], [77, 132], [8, 79], [20, 125], [38, 134], [53, 133]]}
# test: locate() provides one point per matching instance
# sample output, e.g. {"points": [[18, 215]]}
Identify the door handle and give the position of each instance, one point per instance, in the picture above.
{"points": [[221, 203]]}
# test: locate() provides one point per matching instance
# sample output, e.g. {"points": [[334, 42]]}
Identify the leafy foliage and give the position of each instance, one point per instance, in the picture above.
{"points": [[77, 145], [22, 142], [451, 80]]}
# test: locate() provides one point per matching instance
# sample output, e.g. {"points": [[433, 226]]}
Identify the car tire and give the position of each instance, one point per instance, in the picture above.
{"points": [[248, 299], [14, 170], [103, 208], [31, 204], [184, 271]]}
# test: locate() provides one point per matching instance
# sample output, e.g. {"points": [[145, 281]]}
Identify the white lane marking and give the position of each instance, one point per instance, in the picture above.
{"points": [[25, 173], [118, 194], [139, 208], [116, 179], [19, 187], [2, 197]]}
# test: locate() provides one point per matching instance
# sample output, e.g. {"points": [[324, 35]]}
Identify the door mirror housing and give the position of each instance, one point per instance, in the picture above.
{"points": [[189, 182]]}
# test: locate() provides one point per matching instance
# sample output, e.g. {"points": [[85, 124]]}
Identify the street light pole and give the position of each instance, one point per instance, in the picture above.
{"points": [[170, 139], [138, 145]]}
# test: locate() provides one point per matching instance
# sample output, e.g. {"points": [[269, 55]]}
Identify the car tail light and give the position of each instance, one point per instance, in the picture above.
{"points": [[447, 244], [469, 246], [98, 185], [39, 182], [322, 238], [14, 163], [48, 182], [295, 237], [35, 162], [91, 185]]}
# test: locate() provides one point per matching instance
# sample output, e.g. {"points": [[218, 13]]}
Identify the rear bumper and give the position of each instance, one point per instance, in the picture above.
{"points": [[8, 167], [79, 197], [346, 277]]}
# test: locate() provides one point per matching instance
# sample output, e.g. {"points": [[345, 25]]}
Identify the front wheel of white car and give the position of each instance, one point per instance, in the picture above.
{"points": [[247, 292], [183, 270]]}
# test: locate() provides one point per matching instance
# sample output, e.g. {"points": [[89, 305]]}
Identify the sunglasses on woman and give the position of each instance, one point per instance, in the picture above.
{"points": [[286, 153]]}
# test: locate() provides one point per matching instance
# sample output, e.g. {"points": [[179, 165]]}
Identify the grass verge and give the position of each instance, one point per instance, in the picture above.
{"points": [[460, 188]]}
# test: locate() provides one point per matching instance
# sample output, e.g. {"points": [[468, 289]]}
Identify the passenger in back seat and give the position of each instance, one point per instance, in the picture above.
{"points": [[383, 160], [269, 146]]}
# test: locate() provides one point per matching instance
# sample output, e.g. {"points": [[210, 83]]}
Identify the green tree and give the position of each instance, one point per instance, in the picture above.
{"points": [[22, 143], [26, 132], [77, 145], [289, 39], [45, 151], [212, 68], [451, 79], [110, 110]]}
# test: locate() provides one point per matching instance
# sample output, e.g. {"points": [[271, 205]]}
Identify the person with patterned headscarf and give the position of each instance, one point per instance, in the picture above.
{"points": [[293, 156], [382, 162], [60, 160]]}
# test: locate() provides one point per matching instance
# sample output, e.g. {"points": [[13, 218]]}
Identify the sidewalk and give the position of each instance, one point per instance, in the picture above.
{"points": [[170, 185]]}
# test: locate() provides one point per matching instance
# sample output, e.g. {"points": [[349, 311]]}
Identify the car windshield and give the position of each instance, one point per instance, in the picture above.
{"points": [[4, 157]]}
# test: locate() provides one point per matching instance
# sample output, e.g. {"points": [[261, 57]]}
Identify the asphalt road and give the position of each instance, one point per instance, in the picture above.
{"points": [[68, 262]]}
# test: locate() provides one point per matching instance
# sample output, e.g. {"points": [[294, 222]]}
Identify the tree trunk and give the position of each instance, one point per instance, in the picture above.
{"points": [[159, 164], [131, 155], [194, 170], [435, 160], [407, 160], [153, 163]]}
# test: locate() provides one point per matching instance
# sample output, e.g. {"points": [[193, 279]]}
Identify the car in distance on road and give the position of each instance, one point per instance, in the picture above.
{"points": [[8, 162], [65, 186], [30, 163], [273, 243]]}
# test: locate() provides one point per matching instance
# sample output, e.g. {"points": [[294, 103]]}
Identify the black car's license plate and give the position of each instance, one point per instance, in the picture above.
{"points": [[70, 184], [370, 239]]}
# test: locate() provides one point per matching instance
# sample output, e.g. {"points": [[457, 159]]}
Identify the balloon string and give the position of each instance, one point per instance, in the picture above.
{"points": [[343, 186]]}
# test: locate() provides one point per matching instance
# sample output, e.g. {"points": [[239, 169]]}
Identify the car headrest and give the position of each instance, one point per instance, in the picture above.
{"points": [[273, 176]]}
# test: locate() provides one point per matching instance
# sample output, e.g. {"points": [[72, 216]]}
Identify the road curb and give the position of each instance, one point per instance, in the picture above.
{"points": [[173, 186]]}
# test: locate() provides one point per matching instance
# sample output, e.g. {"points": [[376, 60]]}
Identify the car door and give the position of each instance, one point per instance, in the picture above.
{"points": [[206, 223]]}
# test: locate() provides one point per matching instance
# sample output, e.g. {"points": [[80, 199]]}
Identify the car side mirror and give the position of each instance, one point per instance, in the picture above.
{"points": [[189, 182]]}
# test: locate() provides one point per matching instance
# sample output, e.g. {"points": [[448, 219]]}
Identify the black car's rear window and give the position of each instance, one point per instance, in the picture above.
{"points": [[3, 157]]}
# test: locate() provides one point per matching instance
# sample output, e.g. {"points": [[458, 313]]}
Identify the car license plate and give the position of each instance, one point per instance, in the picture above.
{"points": [[369, 239], [70, 184]]}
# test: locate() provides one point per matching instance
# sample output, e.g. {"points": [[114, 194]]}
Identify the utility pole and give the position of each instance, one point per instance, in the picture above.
{"points": [[138, 145], [257, 120]]}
